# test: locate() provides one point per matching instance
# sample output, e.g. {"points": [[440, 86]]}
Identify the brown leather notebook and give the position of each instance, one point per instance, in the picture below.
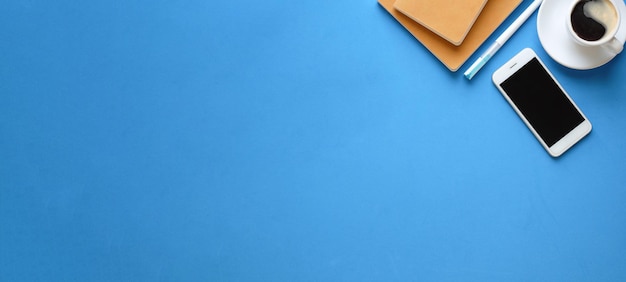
{"points": [[492, 15], [450, 19]]}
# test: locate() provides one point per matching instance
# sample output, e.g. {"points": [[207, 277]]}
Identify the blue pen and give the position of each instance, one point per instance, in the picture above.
{"points": [[482, 60]]}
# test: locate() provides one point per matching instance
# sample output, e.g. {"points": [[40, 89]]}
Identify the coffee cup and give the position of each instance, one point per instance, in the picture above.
{"points": [[594, 23]]}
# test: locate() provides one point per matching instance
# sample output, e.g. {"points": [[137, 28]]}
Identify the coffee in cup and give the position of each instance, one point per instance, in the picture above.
{"points": [[595, 23]]}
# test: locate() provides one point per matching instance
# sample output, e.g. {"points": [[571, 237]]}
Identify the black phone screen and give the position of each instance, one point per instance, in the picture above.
{"points": [[542, 102]]}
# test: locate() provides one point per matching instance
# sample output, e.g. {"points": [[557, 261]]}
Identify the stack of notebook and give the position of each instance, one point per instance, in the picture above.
{"points": [[451, 29]]}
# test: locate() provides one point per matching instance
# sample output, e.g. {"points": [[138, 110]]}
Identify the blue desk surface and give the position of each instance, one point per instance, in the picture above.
{"points": [[288, 141]]}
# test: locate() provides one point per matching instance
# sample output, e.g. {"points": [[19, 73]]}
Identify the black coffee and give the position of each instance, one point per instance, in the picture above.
{"points": [[592, 19]]}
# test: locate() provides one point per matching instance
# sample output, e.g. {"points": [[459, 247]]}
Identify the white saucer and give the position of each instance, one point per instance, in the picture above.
{"points": [[555, 39]]}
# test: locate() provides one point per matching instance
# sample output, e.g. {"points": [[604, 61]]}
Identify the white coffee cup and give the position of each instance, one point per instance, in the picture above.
{"points": [[594, 23]]}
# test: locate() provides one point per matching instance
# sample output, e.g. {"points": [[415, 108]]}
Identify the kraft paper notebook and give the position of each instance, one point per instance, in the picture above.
{"points": [[450, 19], [493, 14]]}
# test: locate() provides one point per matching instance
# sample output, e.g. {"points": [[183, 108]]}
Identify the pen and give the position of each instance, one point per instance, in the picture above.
{"points": [[482, 60]]}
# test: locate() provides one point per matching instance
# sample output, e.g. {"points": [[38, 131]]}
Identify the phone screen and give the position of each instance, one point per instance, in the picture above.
{"points": [[542, 102]]}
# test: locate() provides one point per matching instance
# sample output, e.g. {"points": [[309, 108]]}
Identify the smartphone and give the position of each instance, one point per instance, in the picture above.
{"points": [[541, 102]]}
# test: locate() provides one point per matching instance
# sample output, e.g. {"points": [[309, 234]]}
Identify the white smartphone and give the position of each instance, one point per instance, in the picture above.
{"points": [[541, 102]]}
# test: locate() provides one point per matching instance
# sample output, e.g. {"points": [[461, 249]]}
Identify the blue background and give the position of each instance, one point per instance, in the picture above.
{"points": [[288, 141]]}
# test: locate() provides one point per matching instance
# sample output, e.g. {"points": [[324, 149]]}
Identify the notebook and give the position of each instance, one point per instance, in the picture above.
{"points": [[493, 14], [450, 19]]}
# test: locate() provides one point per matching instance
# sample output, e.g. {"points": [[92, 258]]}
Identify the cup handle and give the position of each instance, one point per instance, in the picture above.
{"points": [[615, 45]]}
